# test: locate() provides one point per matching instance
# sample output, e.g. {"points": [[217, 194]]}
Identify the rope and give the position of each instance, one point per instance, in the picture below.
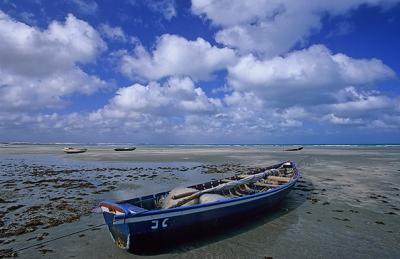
{"points": [[57, 238]]}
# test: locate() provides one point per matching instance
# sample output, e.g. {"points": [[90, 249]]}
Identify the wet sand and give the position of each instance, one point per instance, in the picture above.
{"points": [[346, 205]]}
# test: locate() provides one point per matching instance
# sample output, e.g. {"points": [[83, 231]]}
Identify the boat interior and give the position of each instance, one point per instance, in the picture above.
{"points": [[283, 174]]}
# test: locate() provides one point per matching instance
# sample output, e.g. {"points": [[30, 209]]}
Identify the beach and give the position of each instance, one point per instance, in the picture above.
{"points": [[346, 204]]}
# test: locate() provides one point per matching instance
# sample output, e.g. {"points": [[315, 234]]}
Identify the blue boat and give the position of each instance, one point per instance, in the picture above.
{"points": [[143, 218]]}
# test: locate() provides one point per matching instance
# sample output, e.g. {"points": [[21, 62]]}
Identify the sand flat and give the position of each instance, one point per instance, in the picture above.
{"points": [[346, 205]]}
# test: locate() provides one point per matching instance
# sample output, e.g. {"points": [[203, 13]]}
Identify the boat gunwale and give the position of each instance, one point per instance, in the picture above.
{"points": [[292, 181]]}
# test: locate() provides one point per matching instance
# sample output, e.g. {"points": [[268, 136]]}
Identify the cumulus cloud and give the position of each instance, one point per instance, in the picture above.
{"points": [[353, 101], [89, 7], [39, 67], [176, 56], [271, 27], [313, 85], [28, 18], [179, 107], [334, 119], [176, 97], [113, 33], [165, 7], [292, 116], [241, 107], [268, 89], [182, 111], [354, 107], [305, 76], [151, 113], [360, 108]]}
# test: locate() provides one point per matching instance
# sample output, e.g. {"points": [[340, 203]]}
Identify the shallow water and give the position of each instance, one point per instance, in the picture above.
{"points": [[346, 205]]}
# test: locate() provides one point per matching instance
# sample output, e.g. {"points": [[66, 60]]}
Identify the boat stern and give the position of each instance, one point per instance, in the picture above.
{"points": [[114, 215]]}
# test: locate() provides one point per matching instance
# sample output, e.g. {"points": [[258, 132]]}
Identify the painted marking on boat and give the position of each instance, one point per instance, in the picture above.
{"points": [[156, 223], [164, 223]]}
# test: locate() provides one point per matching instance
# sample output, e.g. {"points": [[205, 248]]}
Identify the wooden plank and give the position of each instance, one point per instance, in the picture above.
{"points": [[266, 185], [221, 187], [226, 180], [279, 178], [185, 194], [245, 188]]}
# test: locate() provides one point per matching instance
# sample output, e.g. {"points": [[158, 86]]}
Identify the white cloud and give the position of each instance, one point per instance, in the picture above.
{"points": [[312, 85], [22, 47], [292, 116], [385, 121], [176, 97], [366, 109], [242, 107], [271, 27], [178, 111], [361, 71], [352, 101], [342, 28], [306, 76], [89, 7], [332, 118], [264, 94], [181, 110], [361, 108], [113, 33], [165, 7], [29, 93], [39, 67], [175, 56], [28, 18]]}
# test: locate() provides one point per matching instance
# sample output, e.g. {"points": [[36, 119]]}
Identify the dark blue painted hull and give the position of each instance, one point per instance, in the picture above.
{"points": [[134, 223]]}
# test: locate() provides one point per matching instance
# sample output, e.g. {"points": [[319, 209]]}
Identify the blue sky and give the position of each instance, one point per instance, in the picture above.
{"points": [[200, 71]]}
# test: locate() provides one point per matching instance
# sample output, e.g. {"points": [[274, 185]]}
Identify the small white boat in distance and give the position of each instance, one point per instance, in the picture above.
{"points": [[71, 150]]}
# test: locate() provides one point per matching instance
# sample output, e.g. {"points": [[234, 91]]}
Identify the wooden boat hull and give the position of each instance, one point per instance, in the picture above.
{"points": [[76, 151], [131, 224], [294, 149], [124, 149]]}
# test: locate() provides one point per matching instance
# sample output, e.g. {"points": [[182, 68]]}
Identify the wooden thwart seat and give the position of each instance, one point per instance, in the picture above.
{"points": [[235, 186], [279, 178], [226, 180], [269, 185]]}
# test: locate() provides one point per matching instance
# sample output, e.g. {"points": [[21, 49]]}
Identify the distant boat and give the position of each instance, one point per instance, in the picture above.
{"points": [[71, 150], [125, 149], [294, 149], [202, 205]]}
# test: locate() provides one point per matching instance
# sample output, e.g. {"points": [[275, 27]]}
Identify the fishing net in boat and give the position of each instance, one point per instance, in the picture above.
{"points": [[187, 196], [169, 202], [210, 197]]}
